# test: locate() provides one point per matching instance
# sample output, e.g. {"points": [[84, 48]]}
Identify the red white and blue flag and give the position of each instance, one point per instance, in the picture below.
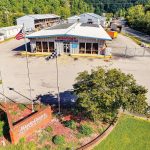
{"points": [[20, 35]]}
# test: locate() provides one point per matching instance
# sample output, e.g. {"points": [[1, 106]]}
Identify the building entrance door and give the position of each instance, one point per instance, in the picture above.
{"points": [[66, 47]]}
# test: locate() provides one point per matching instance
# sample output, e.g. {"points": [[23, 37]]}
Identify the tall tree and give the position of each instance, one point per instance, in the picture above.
{"points": [[102, 93]]}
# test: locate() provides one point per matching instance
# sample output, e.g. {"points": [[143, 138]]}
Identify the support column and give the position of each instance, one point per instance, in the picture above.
{"points": [[42, 46], [91, 47], [48, 46]]}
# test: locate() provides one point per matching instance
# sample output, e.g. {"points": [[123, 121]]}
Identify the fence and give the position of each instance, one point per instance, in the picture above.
{"points": [[131, 52]]}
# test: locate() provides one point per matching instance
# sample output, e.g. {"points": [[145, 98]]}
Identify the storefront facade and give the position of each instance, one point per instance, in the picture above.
{"points": [[68, 45], [68, 42]]}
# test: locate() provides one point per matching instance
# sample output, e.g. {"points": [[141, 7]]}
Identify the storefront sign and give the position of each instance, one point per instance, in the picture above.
{"points": [[31, 124], [66, 39], [74, 45]]}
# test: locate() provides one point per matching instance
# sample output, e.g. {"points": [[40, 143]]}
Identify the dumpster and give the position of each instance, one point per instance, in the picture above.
{"points": [[112, 34]]}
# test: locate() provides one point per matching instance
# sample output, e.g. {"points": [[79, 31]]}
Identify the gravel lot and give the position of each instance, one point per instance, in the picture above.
{"points": [[43, 73]]}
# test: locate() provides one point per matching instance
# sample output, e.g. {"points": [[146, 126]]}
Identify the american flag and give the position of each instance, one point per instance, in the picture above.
{"points": [[20, 35]]}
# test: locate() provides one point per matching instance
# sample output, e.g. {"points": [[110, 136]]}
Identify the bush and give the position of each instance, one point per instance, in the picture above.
{"points": [[70, 124], [1, 128], [21, 107], [85, 130], [49, 129], [58, 139]]}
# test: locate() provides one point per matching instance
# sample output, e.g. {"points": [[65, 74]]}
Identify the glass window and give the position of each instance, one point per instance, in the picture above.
{"points": [[88, 48], [51, 46], [38, 47], [82, 48], [45, 47], [95, 48]]}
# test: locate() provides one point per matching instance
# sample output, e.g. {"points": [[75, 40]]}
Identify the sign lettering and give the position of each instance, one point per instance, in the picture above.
{"points": [[66, 39]]}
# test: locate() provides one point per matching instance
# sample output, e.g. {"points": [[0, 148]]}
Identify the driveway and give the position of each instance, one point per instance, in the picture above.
{"points": [[43, 73]]}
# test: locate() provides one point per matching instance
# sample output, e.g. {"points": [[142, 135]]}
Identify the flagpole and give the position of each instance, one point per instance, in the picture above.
{"points": [[27, 60], [58, 94], [2, 86]]}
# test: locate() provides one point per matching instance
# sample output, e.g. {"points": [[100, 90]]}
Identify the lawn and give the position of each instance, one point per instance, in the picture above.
{"points": [[130, 134]]}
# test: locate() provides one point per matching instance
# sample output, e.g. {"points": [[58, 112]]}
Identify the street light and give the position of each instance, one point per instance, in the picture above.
{"points": [[12, 89]]}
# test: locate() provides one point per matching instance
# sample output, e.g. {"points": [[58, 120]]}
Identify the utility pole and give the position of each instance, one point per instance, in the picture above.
{"points": [[28, 71]]}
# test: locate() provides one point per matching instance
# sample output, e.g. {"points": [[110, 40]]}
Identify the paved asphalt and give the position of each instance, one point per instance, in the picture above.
{"points": [[144, 37]]}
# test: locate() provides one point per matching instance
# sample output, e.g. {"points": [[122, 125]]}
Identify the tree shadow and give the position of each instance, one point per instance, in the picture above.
{"points": [[67, 99], [22, 48]]}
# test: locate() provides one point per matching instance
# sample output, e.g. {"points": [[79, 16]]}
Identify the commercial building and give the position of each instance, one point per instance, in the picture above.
{"points": [[9, 32], [88, 18], [73, 19], [78, 38], [38, 21]]}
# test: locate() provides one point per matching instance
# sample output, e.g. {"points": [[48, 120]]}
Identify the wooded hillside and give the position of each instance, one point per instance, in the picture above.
{"points": [[112, 6], [12, 9]]}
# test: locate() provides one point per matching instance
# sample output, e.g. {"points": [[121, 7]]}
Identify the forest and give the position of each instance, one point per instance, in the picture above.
{"points": [[138, 17], [112, 6], [12, 9]]}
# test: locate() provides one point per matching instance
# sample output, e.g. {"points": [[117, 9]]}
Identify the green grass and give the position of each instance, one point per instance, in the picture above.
{"points": [[129, 134]]}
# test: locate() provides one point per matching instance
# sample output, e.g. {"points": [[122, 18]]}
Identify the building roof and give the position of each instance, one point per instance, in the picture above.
{"points": [[76, 29], [40, 16], [74, 17], [95, 16], [11, 27]]}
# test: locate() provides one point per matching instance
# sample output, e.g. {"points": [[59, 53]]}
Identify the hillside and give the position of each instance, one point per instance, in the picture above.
{"points": [[112, 6]]}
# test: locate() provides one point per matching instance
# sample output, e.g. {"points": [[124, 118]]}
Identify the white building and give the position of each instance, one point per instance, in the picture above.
{"points": [[77, 38], [10, 32], [93, 18], [88, 18], [73, 19], [38, 21]]}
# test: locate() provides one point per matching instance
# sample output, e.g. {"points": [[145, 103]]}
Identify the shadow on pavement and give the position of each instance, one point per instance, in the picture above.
{"points": [[67, 99], [22, 48]]}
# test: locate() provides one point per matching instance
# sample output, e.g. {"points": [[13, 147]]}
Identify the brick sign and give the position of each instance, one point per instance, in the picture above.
{"points": [[26, 127]]}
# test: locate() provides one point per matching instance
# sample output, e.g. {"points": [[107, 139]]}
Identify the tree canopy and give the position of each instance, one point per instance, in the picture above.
{"points": [[112, 6], [102, 93], [138, 17], [12, 9]]}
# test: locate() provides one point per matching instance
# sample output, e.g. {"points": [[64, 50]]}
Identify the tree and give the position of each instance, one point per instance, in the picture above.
{"points": [[101, 93]]}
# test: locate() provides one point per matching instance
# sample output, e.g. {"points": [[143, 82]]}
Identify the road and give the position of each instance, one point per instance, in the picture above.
{"points": [[142, 36]]}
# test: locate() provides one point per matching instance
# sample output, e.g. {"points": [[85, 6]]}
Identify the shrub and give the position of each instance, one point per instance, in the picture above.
{"points": [[70, 124], [85, 130], [49, 129], [58, 139], [46, 147], [1, 128], [21, 107]]}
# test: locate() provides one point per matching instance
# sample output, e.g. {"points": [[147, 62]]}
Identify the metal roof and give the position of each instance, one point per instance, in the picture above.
{"points": [[41, 16], [74, 17], [77, 29], [60, 26], [95, 16], [11, 27]]}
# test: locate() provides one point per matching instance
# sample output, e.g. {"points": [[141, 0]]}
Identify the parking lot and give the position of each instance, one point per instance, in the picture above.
{"points": [[43, 73]]}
